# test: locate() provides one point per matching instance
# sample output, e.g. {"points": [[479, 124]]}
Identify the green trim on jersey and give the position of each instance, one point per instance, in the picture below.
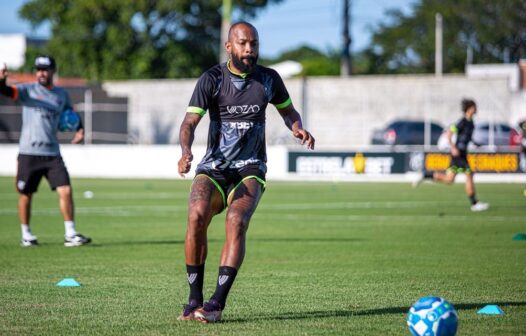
{"points": [[286, 103], [195, 109], [453, 128], [243, 75]]}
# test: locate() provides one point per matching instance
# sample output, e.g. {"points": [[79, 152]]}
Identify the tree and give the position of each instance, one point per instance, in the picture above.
{"points": [[494, 30], [129, 39]]}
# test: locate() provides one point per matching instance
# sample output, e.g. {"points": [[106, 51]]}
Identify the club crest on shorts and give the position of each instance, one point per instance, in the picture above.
{"points": [[21, 185], [222, 279]]}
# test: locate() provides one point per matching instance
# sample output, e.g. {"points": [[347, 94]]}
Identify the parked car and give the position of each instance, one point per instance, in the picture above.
{"points": [[405, 132], [503, 135]]}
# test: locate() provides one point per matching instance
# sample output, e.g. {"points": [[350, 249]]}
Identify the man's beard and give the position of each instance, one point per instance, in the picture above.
{"points": [[240, 65], [45, 81]]}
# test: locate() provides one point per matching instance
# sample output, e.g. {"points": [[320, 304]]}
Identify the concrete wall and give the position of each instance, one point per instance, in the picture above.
{"points": [[340, 112], [125, 161]]}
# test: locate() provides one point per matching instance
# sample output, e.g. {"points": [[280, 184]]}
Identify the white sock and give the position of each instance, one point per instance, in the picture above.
{"points": [[70, 228], [26, 232]]}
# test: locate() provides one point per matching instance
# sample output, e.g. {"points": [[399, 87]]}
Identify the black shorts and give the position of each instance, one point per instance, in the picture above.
{"points": [[31, 169], [459, 164], [227, 180]]}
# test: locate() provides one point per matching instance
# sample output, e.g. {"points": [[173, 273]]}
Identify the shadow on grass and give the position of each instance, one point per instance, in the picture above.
{"points": [[367, 312]]}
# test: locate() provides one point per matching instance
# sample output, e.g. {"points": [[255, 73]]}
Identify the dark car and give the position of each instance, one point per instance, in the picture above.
{"points": [[406, 132]]}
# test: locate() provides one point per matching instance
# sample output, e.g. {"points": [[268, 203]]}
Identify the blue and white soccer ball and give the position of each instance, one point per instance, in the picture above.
{"points": [[432, 316], [69, 121]]}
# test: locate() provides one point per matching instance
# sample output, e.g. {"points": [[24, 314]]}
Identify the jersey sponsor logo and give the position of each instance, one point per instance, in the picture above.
{"points": [[235, 164], [45, 96], [222, 279], [191, 277], [40, 144], [242, 109], [241, 125]]}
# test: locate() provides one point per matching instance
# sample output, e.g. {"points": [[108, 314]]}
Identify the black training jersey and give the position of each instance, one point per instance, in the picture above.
{"points": [[237, 105], [464, 130]]}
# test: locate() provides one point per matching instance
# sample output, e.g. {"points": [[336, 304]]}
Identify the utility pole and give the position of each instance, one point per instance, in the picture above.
{"points": [[225, 25], [345, 63], [438, 45]]}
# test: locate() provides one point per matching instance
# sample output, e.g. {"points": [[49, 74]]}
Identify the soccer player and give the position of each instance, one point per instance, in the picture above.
{"points": [[232, 172], [459, 151], [39, 154], [522, 128]]}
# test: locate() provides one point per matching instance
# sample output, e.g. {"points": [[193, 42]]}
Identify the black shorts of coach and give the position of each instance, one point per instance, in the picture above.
{"points": [[228, 180], [31, 169]]}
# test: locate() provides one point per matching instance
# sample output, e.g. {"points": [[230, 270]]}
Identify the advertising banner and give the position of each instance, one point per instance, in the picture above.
{"points": [[346, 163], [480, 162], [352, 163]]}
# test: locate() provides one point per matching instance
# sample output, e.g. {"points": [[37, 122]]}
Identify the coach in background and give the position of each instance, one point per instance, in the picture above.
{"points": [[39, 153], [232, 172]]}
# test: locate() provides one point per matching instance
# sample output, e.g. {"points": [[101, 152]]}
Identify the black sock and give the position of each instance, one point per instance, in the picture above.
{"points": [[473, 199], [225, 280], [428, 175], [195, 275]]}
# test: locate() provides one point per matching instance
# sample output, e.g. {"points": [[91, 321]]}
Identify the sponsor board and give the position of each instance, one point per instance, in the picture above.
{"points": [[346, 163], [375, 163], [480, 162]]}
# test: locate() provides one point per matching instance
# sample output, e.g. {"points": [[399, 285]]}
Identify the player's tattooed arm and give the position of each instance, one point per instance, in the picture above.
{"points": [[186, 139]]}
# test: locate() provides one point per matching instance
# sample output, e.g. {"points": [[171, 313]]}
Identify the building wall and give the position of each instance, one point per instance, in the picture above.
{"points": [[13, 50], [340, 112]]}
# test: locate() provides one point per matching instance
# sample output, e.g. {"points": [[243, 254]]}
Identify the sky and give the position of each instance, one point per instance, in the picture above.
{"points": [[281, 27]]}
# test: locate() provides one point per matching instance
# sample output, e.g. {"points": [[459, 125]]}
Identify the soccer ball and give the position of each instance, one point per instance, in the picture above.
{"points": [[432, 316], [69, 121]]}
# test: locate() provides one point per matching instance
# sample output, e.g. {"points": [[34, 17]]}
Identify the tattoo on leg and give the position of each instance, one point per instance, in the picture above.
{"points": [[201, 190]]}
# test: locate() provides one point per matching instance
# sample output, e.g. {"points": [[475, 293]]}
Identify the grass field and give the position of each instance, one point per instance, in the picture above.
{"points": [[322, 259]]}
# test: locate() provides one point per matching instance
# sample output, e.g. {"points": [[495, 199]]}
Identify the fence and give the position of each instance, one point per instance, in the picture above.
{"points": [[105, 118]]}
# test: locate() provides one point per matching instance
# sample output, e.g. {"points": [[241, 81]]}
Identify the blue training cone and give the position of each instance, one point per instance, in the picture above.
{"points": [[491, 310], [68, 282]]}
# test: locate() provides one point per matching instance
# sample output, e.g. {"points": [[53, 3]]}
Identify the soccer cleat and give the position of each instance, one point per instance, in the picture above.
{"points": [[31, 241], [417, 179], [479, 206], [210, 312], [188, 311], [76, 240]]}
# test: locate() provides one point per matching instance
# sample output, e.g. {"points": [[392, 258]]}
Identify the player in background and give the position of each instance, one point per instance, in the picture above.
{"points": [[39, 153], [522, 129], [463, 130], [232, 172]]}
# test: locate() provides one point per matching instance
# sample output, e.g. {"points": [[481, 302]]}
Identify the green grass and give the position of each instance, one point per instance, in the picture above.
{"points": [[322, 259]]}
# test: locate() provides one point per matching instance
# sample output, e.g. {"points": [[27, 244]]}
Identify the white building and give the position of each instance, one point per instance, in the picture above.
{"points": [[13, 48]]}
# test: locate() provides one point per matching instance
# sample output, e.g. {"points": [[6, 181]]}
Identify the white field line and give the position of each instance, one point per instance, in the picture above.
{"points": [[369, 219], [275, 211], [118, 195], [358, 205]]}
